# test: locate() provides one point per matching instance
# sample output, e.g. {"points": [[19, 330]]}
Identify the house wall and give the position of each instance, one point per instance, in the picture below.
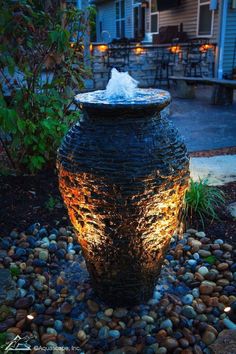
{"points": [[187, 14], [106, 14], [230, 38]]}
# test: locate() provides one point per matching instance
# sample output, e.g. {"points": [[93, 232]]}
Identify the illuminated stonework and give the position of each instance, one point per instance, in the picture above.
{"points": [[123, 175]]}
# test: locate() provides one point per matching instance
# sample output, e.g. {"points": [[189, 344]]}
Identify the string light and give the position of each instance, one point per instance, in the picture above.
{"points": [[175, 49], [206, 47], [102, 48], [139, 50]]}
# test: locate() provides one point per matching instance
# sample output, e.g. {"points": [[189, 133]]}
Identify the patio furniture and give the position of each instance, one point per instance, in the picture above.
{"points": [[164, 65], [165, 35], [222, 93], [193, 60]]}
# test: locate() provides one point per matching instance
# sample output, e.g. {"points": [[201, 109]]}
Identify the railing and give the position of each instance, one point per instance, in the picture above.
{"points": [[152, 64]]}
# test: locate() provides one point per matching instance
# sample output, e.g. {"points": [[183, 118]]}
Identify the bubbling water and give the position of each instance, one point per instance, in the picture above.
{"points": [[120, 86], [122, 91]]}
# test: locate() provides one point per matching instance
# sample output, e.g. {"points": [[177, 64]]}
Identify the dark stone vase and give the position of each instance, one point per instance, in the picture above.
{"points": [[123, 171]]}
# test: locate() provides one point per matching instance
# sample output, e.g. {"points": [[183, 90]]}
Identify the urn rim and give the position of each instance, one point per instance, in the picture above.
{"points": [[144, 99]]}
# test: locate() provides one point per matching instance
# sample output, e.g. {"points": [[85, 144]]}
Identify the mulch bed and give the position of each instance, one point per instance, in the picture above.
{"points": [[225, 227], [29, 199], [216, 152]]}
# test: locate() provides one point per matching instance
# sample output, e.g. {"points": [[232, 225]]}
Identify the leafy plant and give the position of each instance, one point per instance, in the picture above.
{"points": [[15, 271], [202, 201], [210, 259], [40, 71], [51, 203]]}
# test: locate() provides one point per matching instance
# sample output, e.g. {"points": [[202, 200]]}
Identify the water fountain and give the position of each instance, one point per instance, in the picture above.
{"points": [[123, 171]]}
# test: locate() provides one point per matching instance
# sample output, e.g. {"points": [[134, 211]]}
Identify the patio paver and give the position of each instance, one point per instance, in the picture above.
{"points": [[204, 126]]}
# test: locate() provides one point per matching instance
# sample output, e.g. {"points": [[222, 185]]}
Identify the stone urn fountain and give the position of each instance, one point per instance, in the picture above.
{"points": [[123, 171]]}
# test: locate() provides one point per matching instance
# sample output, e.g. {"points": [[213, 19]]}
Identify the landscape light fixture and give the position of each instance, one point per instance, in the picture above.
{"points": [[205, 47], [175, 49], [139, 50], [102, 48], [231, 311]]}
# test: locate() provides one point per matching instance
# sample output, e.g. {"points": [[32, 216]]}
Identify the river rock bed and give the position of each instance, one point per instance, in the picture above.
{"points": [[184, 316]]}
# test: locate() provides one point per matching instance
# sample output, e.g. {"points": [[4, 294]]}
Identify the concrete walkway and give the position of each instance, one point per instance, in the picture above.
{"points": [[217, 169], [204, 126]]}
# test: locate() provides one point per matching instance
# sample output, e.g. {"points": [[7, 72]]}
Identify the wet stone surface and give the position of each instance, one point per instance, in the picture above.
{"points": [[184, 315], [123, 193]]}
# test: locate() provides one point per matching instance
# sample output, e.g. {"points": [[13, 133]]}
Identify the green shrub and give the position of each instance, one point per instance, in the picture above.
{"points": [[51, 203], [15, 271], [202, 202], [37, 52]]}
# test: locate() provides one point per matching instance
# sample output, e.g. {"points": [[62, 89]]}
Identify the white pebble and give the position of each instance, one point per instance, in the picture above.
{"points": [[200, 234], [51, 331], [203, 270], [192, 262], [147, 319], [195, 293], [219, 241], [157, 295], [196, 256]]}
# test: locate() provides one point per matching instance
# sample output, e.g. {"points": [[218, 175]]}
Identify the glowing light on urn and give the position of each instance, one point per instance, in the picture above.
{"points": [[123, 171]]}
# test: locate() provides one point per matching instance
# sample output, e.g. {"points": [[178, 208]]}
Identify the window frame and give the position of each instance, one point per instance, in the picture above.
{"points": [[137, 4], [158, 18], [205, 2], [120, 19]]}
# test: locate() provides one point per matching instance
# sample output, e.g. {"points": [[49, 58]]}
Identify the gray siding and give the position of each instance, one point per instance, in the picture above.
{"points": [[187, 14], [106, 14], [230, 37], [129, 18]]}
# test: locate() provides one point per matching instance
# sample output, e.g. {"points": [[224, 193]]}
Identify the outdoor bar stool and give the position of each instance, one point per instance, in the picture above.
{"points": [[194, 57], [164, 66]]}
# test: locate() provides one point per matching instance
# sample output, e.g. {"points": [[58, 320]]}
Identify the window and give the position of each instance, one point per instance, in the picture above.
{"points": [[120, 18], [138, 20], [154, 17], [205, 19]]}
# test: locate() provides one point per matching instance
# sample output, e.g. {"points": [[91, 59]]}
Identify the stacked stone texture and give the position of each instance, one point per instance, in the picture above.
{"points": [[123, 176]]}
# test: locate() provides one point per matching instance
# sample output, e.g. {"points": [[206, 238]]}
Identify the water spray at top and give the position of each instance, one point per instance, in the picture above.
{"points": [[120, 86]]}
